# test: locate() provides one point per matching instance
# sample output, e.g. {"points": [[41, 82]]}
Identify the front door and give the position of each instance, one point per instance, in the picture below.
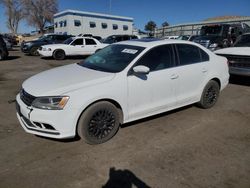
{"points": [[154, 92]]}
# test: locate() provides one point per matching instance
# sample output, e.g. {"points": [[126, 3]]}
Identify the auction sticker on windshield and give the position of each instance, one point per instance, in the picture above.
{"points": [[129, 51]]}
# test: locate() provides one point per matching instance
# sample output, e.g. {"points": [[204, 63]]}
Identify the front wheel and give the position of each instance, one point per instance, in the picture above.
{"points": [[210, 95], [59, 54], [98, 123], [33, 51]]}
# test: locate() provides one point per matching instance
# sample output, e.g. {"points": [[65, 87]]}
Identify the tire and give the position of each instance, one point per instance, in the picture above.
{"points": [[59, 55], [210, 95], [33, 51], [98, 123]]}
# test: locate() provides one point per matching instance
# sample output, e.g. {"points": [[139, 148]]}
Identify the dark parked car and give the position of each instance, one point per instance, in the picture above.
{"points": [[117, 38], [31, 47], [3, 50]]}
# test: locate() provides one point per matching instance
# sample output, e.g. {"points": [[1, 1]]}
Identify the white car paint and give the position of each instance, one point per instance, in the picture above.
{"points": [[160, 91], [70, 49], [244, 51]]}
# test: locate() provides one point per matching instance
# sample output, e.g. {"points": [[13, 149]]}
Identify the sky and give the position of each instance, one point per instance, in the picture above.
{"points": [[172, 11]]}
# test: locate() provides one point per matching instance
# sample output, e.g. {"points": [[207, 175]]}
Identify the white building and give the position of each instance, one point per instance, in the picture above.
{"points": [[78, 22]]}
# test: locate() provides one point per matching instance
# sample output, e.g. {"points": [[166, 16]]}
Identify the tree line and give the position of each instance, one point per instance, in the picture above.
{"points": [[151, 26], [37, 13]]}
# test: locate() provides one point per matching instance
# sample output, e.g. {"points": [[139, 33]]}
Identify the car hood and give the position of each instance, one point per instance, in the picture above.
{"points": [[61, 80], [242, 51], [211, 38]]}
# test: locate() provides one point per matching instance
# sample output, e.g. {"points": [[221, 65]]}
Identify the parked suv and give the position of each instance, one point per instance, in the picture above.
{"points": [[219, 36], [118, 38], [3, 50], [31, 47]]}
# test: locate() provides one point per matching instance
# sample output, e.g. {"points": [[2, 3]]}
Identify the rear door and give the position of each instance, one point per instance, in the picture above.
{"points": [[190, 73], [90, 46]]}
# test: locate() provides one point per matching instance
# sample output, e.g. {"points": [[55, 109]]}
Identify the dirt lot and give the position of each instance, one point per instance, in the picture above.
{"points": [[189, 147]]}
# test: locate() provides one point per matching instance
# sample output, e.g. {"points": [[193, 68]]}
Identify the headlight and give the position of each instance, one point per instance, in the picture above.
{"points": [[46, 49], [50, 103], [214, 45]]}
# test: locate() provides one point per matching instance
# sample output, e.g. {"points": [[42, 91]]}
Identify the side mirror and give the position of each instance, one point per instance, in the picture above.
{"points": [[141, 69]]}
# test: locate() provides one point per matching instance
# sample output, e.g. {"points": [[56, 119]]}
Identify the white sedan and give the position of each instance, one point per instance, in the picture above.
{"points": [[71, 47], [124, 82]]}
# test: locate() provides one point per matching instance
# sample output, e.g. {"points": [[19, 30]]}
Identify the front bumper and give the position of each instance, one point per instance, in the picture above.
{"points": [[45, 53], [239, 71], [48, 123]]}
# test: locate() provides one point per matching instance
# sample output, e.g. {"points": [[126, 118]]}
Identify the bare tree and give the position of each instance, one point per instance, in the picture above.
{"points": [[40, 12], [14, 14]]}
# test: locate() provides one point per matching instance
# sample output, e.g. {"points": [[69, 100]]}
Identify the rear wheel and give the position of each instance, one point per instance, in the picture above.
{"points": [[59, 55], [98, 123], [210, 94]]}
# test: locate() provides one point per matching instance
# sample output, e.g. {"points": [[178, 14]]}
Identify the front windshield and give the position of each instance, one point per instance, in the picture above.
{"points": [[113, 58], [211, 30], [108, 40], [243, 41], [68, 41], [45, 38]]}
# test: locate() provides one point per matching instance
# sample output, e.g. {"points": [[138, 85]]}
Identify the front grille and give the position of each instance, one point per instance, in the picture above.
{"points": [[26, 97], [204, 43], [238, 61]]}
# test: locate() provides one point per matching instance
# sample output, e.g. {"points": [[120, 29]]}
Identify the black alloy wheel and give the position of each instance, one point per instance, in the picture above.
{"points": [[99, 123], [210, 94]]}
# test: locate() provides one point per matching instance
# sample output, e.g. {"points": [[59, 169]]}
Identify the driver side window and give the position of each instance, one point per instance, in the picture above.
{"points": [[158, 58], [78, 42]]}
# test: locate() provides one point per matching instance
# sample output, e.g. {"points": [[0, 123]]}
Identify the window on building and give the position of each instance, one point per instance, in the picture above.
{"points": [[61, 24], [92, 24], [64, 23], [90, 42], [77, 23], [104, 25], [115, 26], [125, 27], [56, 25]]}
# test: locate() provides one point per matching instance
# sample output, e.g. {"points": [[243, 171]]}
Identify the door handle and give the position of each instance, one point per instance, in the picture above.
{"points": [[82, 46], [174, 76], [204, 70]]}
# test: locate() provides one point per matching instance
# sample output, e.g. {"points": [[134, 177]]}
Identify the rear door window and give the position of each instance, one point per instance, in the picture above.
{"points": [[188, 54]]}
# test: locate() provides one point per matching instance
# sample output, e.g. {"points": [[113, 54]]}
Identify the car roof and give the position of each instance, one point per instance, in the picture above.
{"points": [[151, 42], [79, 37]]}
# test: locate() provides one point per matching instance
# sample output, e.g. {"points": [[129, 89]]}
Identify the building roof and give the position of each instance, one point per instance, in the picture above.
{"points": [[93, 15]]}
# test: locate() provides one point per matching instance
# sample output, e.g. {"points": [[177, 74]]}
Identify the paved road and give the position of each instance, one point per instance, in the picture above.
{"points": [[188, 147]]}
